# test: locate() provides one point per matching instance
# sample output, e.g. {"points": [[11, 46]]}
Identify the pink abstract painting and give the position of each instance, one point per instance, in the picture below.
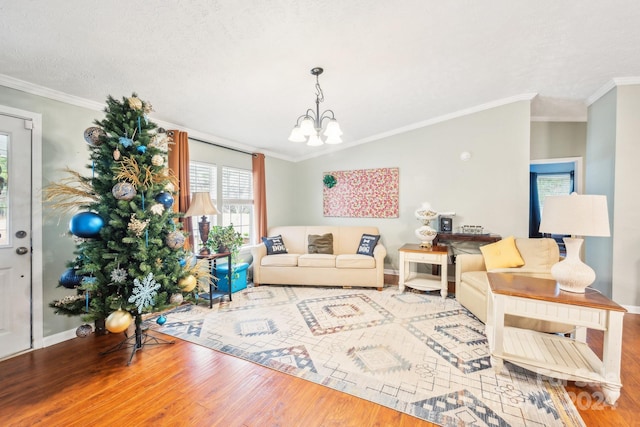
{"points": [[362, 193]]}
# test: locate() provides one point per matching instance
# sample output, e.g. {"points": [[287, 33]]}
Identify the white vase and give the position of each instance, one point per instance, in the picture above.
{"points": [[426, 234]]}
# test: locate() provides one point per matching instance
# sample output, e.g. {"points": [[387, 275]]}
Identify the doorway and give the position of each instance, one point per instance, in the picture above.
{"points": [[551, 177], [21, 308]]}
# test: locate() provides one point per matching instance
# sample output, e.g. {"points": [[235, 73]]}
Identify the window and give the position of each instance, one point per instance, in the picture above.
{"points": [[558, 184], [231, 191]]}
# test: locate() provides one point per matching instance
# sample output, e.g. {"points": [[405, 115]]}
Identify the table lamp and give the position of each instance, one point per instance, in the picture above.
{"points": [[574, 215], [201, 205]]}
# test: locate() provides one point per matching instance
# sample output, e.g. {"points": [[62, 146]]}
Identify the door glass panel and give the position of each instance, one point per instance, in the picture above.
{"points": [[4, 189]]}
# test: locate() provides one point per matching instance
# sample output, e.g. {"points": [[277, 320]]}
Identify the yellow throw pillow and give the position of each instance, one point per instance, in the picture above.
{"points": [[502, 254]]}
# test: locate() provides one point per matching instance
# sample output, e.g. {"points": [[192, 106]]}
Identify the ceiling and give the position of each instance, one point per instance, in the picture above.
{"points": [[238, 72]]}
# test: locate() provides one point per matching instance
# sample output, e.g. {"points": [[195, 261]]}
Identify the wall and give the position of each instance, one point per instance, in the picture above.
{"points": [[553, 140], [490, 190], [63, 146], [626, 230], [599, 179]]}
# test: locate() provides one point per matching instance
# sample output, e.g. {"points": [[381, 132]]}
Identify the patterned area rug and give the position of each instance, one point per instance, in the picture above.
{"points": [[412, 352]]}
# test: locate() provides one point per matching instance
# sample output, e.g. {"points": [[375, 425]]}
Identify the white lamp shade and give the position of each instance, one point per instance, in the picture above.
{"points": [[296, 135], [576, 215], [333, 140], [314, 140], [307, 126], [333, 129], [201, 204]]}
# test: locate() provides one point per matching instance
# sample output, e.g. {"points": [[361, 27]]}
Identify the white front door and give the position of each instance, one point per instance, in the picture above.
{"points": [[15, 235]]}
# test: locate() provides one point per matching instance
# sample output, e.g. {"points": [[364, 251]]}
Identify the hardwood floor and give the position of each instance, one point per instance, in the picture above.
{"points": [[71, 384]]}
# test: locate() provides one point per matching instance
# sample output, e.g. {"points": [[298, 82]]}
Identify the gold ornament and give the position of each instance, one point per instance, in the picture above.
{"points": [[137, 226], [157, 209], [118, 321], [135, 103], [170, 187], [157, 160], [159, 141], [116, 154], [188, 283]]}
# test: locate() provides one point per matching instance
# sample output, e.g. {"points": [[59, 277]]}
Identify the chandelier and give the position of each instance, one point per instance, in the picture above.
{"points": [[309, 125]]}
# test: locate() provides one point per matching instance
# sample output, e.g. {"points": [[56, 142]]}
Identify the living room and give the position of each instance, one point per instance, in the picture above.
{"points": [[503, 133]]}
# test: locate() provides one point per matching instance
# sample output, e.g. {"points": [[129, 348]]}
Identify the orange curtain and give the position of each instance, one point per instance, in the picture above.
{"points": [[179, 164], [259, 196]]}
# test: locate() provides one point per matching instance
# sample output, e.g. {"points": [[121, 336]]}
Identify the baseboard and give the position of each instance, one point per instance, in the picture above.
{"points": [[59, 337], [632, 309]]}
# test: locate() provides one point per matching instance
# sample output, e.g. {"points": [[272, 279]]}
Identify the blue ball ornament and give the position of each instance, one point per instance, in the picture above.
{"points": [[182, 262], [86, 224], [161, 320], [165, 199], [69, 279]]}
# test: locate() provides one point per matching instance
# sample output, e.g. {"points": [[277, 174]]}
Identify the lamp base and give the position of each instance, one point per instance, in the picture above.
{"points": [[572, 274]]}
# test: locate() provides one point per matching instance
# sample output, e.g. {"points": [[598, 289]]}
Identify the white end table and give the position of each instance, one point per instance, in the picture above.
{"points": [[412, 254], [548, 354]]}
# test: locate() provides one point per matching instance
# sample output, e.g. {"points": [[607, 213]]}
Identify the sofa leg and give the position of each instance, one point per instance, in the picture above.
{"points": [[256, 284], [379, 289]]}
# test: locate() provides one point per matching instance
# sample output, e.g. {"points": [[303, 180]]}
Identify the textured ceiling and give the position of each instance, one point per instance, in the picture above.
{"points": [[237, 72]]}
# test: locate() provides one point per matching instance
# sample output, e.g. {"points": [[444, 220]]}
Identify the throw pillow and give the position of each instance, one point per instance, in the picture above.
{"points": [[275, 245], [367, 244], [502, 254], [320, 244]]}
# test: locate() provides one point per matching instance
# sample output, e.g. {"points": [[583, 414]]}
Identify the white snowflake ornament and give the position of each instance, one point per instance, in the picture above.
{"points": [[144, 292], [157, 209], [118, 275]]}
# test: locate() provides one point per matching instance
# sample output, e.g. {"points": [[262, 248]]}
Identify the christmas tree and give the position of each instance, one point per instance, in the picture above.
{"points": [[129, 258]]}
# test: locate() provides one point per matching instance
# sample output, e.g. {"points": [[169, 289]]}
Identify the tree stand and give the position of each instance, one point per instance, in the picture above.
{"points": [[137, 342]]}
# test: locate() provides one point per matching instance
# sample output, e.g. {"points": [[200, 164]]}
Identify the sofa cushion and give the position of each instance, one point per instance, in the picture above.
{"points": [[280, 260], [502, 254], [317, 260], [367, 244], [320, 244], [355, 261], [275, 245]]}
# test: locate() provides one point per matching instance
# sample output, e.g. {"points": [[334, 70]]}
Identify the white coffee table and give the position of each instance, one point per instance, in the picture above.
{"points": [[548, 354]]}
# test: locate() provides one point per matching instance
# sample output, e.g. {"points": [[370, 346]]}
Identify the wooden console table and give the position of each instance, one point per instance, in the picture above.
{"points": [[460, 237], [548, 354], [413, 253]]}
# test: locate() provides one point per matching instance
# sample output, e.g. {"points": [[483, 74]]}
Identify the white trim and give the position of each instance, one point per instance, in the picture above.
{"points": [[59, 337], [578, 170], [429, 122], [632, 309], [37, 304], [578, 119], [34, 89], [617, 81]]}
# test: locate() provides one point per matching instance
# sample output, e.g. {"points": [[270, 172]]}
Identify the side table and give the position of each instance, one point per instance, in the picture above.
{"points": [[412, 254], [213, 258], [548, 354]]}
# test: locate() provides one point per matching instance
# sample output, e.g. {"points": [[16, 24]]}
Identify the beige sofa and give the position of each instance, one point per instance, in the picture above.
{"points": [[472, 283], [342, 268]]}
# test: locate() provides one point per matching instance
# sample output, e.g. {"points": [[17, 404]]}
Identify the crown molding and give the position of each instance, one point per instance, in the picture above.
{"points": [[45, 92], [615, 82], [461, 113], [56, 95]]}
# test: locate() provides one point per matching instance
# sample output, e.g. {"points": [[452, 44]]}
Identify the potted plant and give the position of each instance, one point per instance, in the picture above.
{"points": [[225, 239]]}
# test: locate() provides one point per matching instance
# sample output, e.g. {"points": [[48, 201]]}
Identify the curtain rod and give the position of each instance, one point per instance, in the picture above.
{"points": [[221, 146]]}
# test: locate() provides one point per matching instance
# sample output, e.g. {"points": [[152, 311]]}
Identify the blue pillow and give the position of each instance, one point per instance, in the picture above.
{"points": [[275, 245], [367, 243]]}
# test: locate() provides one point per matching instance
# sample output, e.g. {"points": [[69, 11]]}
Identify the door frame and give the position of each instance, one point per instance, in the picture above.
{"points": [[37, 304], [577, 161]]}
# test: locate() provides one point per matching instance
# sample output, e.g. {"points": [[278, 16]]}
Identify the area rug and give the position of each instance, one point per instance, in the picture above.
{"points": [[413, 352]]}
